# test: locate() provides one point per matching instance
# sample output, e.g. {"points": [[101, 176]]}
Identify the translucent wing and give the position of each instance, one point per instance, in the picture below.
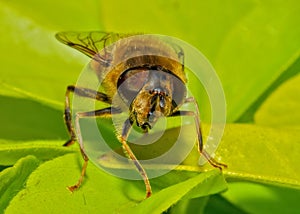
{"points": [[90, 43]]}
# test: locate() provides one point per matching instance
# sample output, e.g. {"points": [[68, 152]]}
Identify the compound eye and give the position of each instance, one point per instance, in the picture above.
{"points": [[179, 91], [130, 83]]}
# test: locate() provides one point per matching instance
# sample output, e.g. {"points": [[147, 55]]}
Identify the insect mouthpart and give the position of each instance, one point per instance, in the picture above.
{"points": [[158, 99], [157, 108], [149, 106], [146, 126]]}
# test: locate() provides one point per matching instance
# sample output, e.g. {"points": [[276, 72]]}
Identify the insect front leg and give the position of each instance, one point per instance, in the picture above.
{"points": [[196, 116], [128, 152], [104, 113], [83, 92]]}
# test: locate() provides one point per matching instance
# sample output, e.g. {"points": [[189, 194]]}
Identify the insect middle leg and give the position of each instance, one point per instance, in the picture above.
{"points": [[196, 116]]}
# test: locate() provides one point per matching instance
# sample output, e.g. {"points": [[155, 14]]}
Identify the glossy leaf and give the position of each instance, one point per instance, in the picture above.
{"points": [[46, 187], [204, 184], [248, 31], [14, 178], [254, 46], [282, 171], [24, 118], [262, 154], [253, 153], [37, 67], [250, 44], [282, 107], [263, 198], [63, 14], [11, 152]]}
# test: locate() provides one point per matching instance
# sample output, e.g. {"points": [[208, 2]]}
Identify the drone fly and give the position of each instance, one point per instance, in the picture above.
{"points": [[156, 88]]}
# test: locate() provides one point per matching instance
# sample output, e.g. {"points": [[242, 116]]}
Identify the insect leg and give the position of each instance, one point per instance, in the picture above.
{"points": [[128, 152], [83, 92], [106, 112], [196, 116]]}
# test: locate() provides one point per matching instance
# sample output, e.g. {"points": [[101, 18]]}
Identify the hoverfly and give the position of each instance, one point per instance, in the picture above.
{"points": [[158, 89]]}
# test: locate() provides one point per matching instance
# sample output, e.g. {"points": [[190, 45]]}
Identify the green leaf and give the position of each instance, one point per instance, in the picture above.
{"points": [[203, 184], [190, 21], [281, 109], [14, 178], [194, 205], [254, 46], [219, 204], [37, 67], [236, 39], [250, 43], [249, 114], [257, 52], [27, 119], [261, 154], [45, 190], [58, 14], [11, 151], [276, 150], [263, 198], [255, 153]]}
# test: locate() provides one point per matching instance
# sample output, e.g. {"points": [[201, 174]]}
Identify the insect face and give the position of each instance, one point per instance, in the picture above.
{"points": [[152, 102], [150, 92]]}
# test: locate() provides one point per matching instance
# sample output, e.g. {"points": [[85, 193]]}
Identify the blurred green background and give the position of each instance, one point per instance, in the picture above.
{"points": [[252, 44]]}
